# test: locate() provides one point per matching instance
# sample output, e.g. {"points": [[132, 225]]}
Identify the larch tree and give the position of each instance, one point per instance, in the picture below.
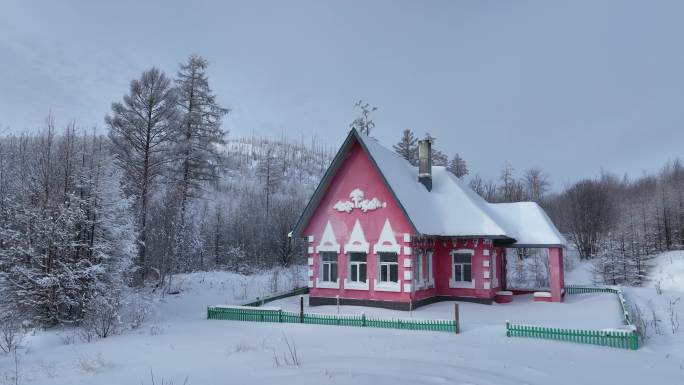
{"points": [[197, 138], [363, 123], [407, 147], [458, 166], [141, 130]]}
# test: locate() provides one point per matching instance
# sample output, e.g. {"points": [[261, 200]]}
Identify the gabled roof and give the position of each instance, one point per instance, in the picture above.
{"points": [[451, 209]]}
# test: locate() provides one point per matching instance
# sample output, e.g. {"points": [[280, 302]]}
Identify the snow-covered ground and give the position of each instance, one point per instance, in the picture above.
{"points": [[177, 342]]}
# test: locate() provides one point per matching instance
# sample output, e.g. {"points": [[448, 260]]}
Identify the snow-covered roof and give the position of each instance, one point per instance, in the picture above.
{"points": [[451, 208]]}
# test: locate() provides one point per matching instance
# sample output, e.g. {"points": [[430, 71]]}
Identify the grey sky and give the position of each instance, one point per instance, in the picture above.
{"points": [[571, 86]]}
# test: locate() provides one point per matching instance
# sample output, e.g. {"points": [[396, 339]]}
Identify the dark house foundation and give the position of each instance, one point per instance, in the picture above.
{"points": [[394, 305]]}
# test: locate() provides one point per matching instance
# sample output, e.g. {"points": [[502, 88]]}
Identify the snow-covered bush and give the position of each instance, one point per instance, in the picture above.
{"points": [[11, 332], [101, 316]]}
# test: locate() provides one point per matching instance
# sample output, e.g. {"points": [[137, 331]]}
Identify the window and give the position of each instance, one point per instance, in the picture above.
{"points": [[357, 267], [429, 267], [495, 279], [328, 267], [463, 263], [419, 267], [389, 268]]}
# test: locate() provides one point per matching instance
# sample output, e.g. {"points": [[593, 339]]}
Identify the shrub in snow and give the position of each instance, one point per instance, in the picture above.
{"points": [[102, 316], [673, 315], [289, 357], [11, 332]]}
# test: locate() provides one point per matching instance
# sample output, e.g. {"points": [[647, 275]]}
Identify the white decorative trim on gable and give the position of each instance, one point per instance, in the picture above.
{"points": [[328, 241], [356, 201], [386, 242], [357, 241]]}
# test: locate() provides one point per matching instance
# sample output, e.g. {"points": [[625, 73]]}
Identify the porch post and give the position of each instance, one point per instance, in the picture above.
{"points": [[556, 278]]}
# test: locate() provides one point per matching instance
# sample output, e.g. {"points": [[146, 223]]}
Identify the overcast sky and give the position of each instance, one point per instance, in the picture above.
{"points": [[573, 87]]}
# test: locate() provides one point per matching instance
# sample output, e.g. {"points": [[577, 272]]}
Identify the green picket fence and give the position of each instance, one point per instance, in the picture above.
{"points": [[613, 338], [626, 319], [275, 297], [243, 313], [626, 339]]}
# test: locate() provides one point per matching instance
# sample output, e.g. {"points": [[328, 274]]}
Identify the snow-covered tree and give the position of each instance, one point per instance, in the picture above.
{"points": [[142, 128], [458, 166], [407, 147]]}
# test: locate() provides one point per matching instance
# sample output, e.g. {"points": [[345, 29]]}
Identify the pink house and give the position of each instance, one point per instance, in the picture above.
{"points": [[382, 232]]}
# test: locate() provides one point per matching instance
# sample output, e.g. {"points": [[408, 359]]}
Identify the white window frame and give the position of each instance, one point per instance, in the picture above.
{"points": [[387, 285], [453, 283], [320, 283], [356, 285]]}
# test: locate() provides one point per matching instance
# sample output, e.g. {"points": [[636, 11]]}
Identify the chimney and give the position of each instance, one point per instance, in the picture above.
{"points": [[425, 163]]}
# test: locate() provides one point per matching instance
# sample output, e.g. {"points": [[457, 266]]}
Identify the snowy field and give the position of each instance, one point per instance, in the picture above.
{"points": [[581, 311], [176, 342]]}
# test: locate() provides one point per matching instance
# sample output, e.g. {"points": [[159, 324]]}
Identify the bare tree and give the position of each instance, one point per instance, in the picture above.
{"points": [[536, 184], [363, 123]]}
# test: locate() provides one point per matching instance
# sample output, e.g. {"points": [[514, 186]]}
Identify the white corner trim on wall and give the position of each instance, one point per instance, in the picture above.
{"points": [[408, 262], [311, 238], [407, 250], [309, 261]]}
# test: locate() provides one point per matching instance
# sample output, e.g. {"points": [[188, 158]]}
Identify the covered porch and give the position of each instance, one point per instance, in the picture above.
{"points": [[534, 269]]}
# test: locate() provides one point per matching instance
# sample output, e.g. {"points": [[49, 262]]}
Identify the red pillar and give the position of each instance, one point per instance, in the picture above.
{"points": [[556, 278]]}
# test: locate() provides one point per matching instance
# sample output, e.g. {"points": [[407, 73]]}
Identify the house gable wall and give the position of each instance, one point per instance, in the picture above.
{"points": [[357, 172]]}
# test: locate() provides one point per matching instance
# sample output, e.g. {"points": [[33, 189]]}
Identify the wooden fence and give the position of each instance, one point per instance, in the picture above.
{"points": [[625, 339], [269, 314]]}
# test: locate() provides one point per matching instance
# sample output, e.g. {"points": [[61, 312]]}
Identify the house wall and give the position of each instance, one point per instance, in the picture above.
{"points": [[358, 172], [483, 252]]}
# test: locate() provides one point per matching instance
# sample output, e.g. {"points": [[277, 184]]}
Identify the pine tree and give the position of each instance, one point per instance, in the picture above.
{"points": [[407, 147], [458, 166]]}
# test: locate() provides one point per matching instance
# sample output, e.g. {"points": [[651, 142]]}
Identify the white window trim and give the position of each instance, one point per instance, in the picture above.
{"points": [[387, 286], [353, 285], [328, 240], [453, 284], [387, 243], [357, 240], [327, 285]]}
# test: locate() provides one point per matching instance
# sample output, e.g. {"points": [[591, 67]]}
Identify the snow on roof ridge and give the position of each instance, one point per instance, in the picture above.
{"points": [[452, 208]]}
